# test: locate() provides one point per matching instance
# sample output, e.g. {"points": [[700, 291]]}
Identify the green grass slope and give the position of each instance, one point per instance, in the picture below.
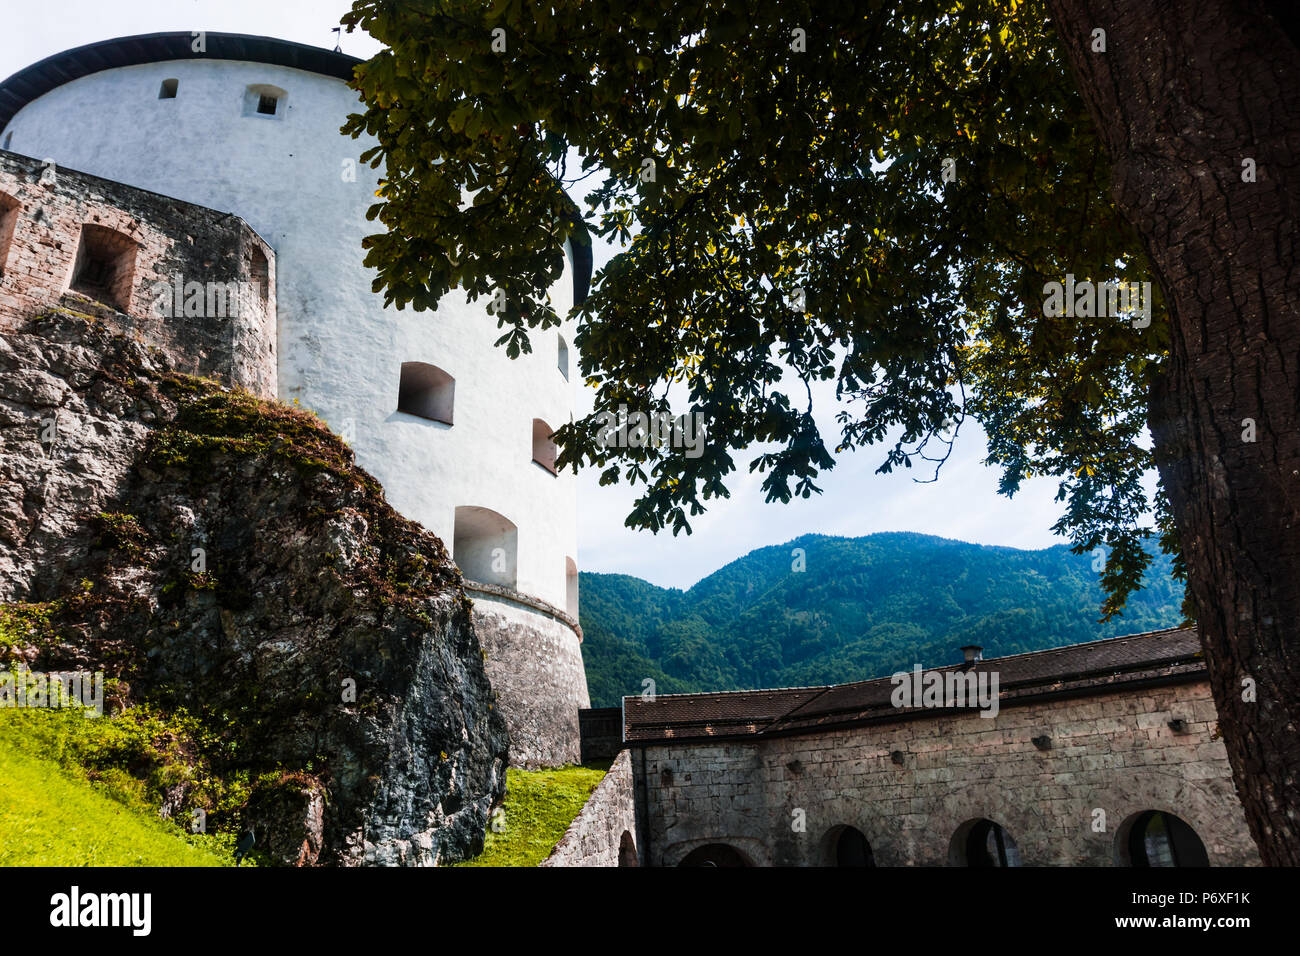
{"points": [[53, 815], [539, 806], [67, 798]]}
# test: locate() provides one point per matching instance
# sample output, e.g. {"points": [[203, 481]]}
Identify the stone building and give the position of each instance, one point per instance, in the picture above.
{"points": [[90, 244], [228, 126], [1096, 754]]}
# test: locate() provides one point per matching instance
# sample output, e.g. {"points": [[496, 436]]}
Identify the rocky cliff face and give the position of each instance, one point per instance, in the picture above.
{"points": [[222, 556]]}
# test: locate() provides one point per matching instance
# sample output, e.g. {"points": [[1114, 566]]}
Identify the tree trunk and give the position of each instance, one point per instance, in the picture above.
{"points": [[1185, 91]]}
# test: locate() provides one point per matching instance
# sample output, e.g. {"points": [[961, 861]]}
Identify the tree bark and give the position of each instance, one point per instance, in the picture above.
{"points": [[1185, 91]]}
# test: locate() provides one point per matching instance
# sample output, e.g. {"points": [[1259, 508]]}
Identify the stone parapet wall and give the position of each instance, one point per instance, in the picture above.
{"points": [[604, 833], [534, 661]]}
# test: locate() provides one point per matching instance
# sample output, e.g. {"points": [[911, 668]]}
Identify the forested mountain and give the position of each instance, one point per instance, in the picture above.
{"points": [[859, 608]]}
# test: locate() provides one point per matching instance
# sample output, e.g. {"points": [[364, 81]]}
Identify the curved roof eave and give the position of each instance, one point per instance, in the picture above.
{"points": [[38, 79], [52, 72]]}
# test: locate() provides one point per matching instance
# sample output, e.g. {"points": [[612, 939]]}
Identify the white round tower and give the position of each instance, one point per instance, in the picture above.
{"points": [[457, 433]]}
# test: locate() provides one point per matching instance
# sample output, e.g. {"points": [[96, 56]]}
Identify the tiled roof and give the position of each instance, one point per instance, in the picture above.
{"points": [[1079, 668]]}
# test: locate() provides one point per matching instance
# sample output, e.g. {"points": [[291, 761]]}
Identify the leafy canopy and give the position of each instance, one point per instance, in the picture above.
{"points": [[775, 175]]}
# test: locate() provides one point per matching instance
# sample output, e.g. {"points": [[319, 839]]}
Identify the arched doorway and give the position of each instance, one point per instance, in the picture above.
{"points": [[714, 854], [847, 846], [983, 843], [1156, 838], [627, 850]]}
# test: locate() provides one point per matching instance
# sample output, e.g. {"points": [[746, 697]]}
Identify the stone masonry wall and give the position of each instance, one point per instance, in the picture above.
{"points": [[47, 214], [534, 660], [604, 833], [1115, 753]]}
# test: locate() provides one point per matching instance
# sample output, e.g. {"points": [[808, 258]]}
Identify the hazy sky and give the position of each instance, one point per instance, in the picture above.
{"points": [[963, 504]]}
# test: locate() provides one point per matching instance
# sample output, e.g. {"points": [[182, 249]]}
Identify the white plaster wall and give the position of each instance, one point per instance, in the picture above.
{"points": [[340, 352]]}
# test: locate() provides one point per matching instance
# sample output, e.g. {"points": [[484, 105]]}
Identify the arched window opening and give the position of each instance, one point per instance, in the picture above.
{"points": [[426, 391], [563, 361], [571, 587], [259, 273], [105, 266], [9, 140], [581, 259], [10, 209], [714, 854], [849, 847], [262, 99], [485, 545], [544, 450], [982, 843], [168, 89], [627, 850], [1162, 839]]}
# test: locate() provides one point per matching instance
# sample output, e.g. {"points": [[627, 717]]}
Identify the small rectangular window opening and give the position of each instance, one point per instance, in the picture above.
{"points": [[9, 138], [267, 104], [168, 89]]}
